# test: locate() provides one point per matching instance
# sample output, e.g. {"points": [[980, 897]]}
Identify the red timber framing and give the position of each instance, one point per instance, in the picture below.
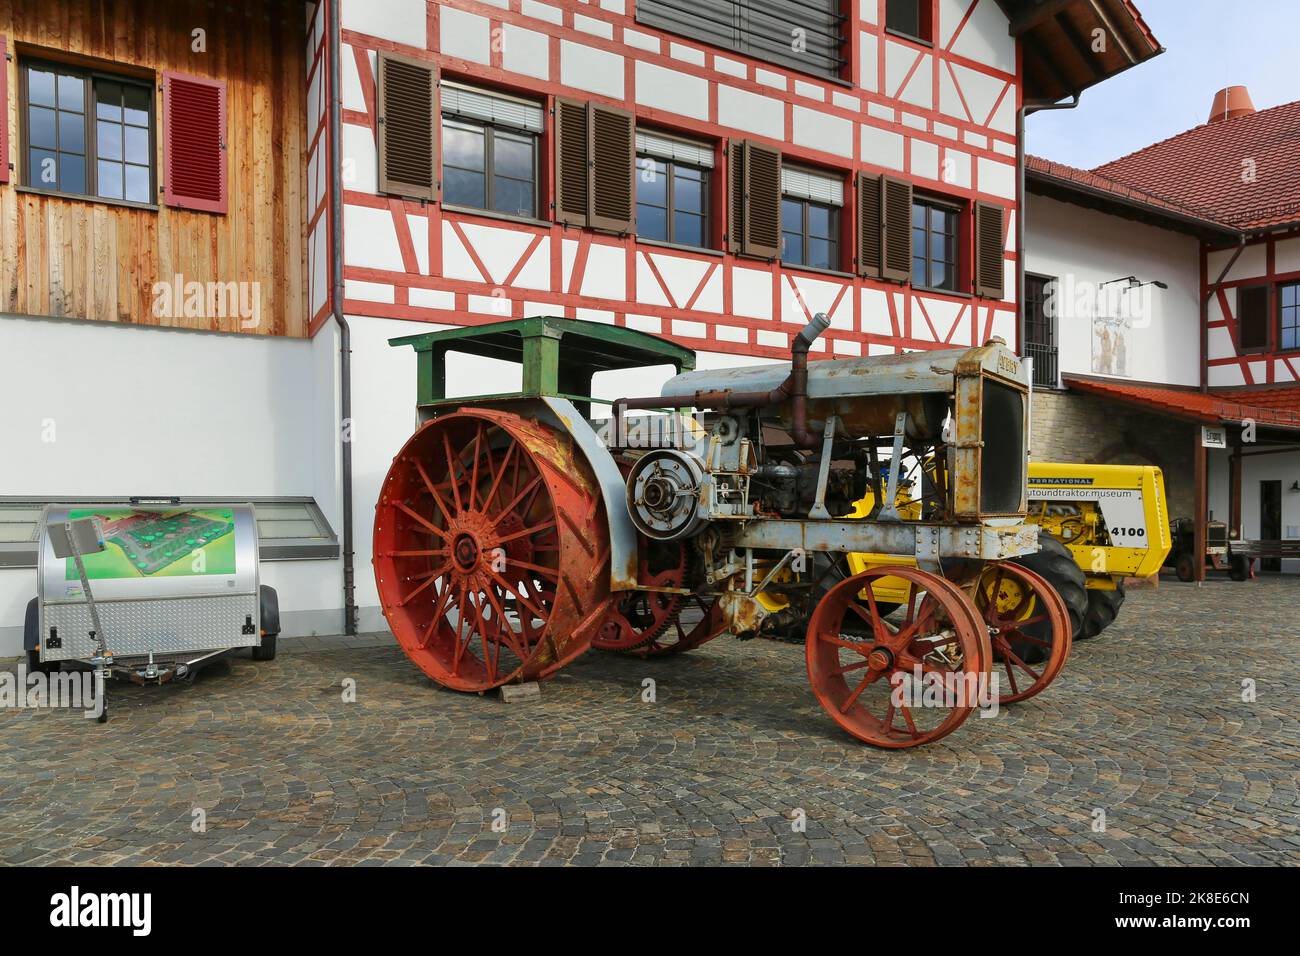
{"points": [[1270, 261], [462, 267]]}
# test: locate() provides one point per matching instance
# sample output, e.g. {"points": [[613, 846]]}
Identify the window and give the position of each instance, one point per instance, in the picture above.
{"points": [[87, 133], [910, 18], [672, 190], [1040, 328], [934, 245], [760, 28], [489, 151], [810, 218], [1252, 318], [1289, 314]]}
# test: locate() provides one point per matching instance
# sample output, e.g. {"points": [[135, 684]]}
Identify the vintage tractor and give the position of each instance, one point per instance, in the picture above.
{"points": [[514, 531]]}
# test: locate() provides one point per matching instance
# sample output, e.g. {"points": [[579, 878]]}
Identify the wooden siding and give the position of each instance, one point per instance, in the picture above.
{"points": [[94, 260]]}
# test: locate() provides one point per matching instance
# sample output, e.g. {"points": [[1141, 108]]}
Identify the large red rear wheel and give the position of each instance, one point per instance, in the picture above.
{"points": [[491, 550], [897, 684]]}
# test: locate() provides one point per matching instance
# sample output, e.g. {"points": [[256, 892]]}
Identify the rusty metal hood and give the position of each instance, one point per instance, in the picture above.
{"points": [[910, 373]]}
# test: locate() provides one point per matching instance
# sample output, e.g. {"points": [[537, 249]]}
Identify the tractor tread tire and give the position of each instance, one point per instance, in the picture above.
{"points": [[1055, 563], [1103, 608]]}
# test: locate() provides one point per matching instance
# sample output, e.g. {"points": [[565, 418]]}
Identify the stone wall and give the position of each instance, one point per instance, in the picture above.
{"points": [[1069, 427]]}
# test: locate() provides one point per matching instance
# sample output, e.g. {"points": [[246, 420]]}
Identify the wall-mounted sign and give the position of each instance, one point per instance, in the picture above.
{"points": [[1111, 336], [1214, 436]]}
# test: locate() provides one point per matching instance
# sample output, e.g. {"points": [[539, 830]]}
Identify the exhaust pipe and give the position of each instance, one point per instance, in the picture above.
{"points": [[794, 389], [798, 380]]}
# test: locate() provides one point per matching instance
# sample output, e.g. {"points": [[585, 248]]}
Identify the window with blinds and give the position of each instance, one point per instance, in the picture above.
{"points": [[490, 150], [806, 35], [672, 190], [810, 217]]}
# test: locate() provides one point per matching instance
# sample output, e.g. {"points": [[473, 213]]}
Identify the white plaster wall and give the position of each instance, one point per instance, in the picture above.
{"points": [[1089, 247], [1284, 468], [133, 410]]}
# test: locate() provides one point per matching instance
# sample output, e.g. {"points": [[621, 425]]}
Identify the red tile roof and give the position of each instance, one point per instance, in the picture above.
{"points": [[1206, 168], [1273, 407], [1091, 179]]}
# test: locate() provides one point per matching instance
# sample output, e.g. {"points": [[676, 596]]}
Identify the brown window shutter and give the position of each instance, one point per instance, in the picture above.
{"points": [[4, 113], [408, 126], [989, 280], [869, 223], [194, 138], [762, 226], [572, 158], [613, 163], [1252, 317], [895, 229], [735, 195]]}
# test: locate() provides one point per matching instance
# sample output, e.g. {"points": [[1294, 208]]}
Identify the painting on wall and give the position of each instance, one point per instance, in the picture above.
{"points": [[1111, 339]]}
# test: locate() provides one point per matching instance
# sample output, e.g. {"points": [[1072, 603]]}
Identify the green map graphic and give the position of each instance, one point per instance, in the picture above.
{"points": [[159, 543]]}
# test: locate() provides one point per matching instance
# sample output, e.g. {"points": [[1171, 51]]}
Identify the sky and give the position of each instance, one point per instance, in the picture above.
{"points": [[1208, 45]]}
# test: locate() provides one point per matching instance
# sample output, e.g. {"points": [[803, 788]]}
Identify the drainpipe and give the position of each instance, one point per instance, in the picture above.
{"points": [[336, 300], [1029, 106]]}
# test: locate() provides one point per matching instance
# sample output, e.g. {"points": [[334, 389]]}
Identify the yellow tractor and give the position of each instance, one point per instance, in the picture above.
{"points": [[1106, 523], [1098, 524]]}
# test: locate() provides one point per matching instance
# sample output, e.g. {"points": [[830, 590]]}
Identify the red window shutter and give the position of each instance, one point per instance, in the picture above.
{"points": [[4, 112], [194, 120]]}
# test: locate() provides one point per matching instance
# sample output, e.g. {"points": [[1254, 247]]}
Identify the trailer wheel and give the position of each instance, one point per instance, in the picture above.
{"points": [[32, 639], [1055, 562], [270, 615], [1103, 608], [491, 550]]}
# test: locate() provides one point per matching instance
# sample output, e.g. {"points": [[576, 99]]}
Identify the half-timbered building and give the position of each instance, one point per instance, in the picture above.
{"points": [[249, 199]]}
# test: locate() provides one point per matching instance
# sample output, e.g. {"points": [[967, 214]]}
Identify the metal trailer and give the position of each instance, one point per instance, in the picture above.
{"points": [[148, 592], [515, 531]]}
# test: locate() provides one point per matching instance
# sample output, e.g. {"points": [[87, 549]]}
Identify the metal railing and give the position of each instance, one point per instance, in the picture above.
{"points": [[1046, 368]]}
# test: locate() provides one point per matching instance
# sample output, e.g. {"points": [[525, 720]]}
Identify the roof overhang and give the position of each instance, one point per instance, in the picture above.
{"points": [[1063, 52], [1126, 203], [1186, 404]]}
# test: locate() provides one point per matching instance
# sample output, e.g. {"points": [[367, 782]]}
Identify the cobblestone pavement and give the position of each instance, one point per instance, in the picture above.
{"points": [[1147, 724]]}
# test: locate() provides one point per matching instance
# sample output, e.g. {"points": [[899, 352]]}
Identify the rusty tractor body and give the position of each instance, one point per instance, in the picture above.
{"points": [[516, 530]]}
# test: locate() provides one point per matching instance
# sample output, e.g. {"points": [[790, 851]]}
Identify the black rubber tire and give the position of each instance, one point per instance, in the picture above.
{"points": [[266, 651], [1055, 562], [270, 614], [1103, 608], [1185, 568], [1239, 567]]}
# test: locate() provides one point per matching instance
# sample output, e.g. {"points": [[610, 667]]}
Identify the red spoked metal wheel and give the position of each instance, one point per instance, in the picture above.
{"points": [[687, 635], [491, 550], [865, 669], [638, 617], [1029, 629]]}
